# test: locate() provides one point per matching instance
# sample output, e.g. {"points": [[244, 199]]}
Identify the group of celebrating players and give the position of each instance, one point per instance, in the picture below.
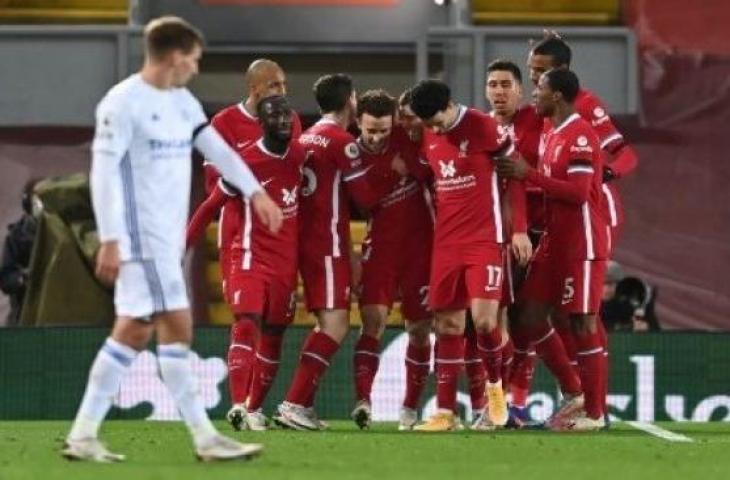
{"points": [[493, 230]]}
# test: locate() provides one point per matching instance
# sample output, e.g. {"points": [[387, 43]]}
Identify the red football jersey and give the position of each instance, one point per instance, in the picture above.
{"points": [[525, 130], [239, 129], [333, 169], [404, 211], [575, 230], [468, 208], [591, 109], [255, 247]]}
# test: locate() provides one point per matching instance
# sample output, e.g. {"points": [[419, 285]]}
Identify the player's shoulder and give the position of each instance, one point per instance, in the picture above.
{"points": [[579, 132], [227, 113], [526, 116], [472, 115], [124, 95], [589, 105]]}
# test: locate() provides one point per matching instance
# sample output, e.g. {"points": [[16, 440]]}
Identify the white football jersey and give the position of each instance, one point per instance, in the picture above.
{"points": [[141, 170]]}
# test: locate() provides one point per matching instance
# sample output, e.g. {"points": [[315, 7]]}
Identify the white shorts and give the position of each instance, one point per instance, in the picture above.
{"points": [[146, 287]]}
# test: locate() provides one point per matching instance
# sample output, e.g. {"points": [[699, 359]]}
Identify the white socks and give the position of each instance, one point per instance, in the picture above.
{"points": [[177, 374], [105, 377]]}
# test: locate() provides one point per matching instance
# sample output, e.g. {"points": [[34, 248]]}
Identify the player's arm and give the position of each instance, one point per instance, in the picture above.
{"points": [[207, 211], [575, 189], [517, 207], [210, 143], [620, 158], [620, 161], [112, 138]]}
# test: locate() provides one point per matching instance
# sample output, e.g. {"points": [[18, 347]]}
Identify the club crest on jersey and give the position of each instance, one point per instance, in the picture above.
{"points": [[289, 197], [352, 151], [581, 145], [448, 170], [463, 146]]}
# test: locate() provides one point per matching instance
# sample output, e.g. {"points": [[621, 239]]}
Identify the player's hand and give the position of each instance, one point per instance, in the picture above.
{"points": [[521, 248], [107, 262], [268, 212], [399, 166], [513, 166]]}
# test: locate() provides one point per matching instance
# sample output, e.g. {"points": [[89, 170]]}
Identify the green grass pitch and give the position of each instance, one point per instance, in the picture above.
{"points": [[161, 450]]}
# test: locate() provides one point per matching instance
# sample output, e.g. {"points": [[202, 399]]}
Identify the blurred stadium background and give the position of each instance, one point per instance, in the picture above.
{"points": [[661, 69]]}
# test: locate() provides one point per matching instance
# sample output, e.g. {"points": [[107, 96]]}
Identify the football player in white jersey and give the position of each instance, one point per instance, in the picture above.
{"points": [[146, 127]]}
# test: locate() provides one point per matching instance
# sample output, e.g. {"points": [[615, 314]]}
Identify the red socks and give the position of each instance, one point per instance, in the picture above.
{"points": [[365, 362], [241, 354], [317, 351], [590, 365], [552, 352], [418, 363], [266, 366], [507, 358], [490, 351], [449, 361], [475, 371]]}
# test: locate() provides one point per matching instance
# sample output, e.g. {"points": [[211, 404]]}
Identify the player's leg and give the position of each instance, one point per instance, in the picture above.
{"points": [[419, 323], [581, 300], [484, 280], [418, 366], [119, 350], [476, 374], [279, 313], [378, 290], [449, 362], [174, 336], [366, 359], [133, 302], [542, 289], [327, 289], [247, 299]]}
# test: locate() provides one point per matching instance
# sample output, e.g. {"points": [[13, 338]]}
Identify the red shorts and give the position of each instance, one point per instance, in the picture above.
{"points": [[572, 286], [461, 274], [326, 281], [270, 298], [388, 271]]}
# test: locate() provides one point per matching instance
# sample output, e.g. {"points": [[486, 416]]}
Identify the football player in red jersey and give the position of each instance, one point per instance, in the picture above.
{"points": [[333, 173], [524, 126], [620, 159], [467, 263], [394, 258], [263, 272], [240, 127], [567, 272]]}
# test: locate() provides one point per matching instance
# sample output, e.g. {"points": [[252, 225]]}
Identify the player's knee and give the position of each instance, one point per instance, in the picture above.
{"points": [[583, 324], [132, 333], [419, 333]]}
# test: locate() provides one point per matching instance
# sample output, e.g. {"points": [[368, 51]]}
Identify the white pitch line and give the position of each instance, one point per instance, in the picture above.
{"points": [[652, 429]]}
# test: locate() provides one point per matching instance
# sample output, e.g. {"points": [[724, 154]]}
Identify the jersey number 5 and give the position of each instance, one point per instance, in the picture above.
{"points": [[568, 291]]}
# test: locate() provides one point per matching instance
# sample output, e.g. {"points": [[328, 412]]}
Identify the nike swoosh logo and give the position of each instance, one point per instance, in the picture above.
{"points": [[266, 182], [240, 145], [431, 147]]}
